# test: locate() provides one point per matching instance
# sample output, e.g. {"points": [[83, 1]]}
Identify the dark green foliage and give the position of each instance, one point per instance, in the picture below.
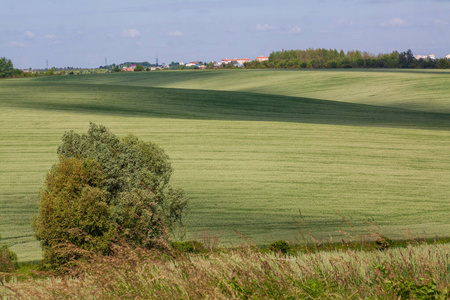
{"points": [[383, 243], [139, 68], [122, 184], [6, 68], [73, 209], [280, 247], [331, 59], [406, 59], [443, 63], [189, 246]]}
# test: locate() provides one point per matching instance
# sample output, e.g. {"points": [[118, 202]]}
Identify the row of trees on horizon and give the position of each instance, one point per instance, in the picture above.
{"points": [[332, 59], [292, 59]]}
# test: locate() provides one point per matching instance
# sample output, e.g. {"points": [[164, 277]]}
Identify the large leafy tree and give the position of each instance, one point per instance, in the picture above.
{"points": [[106, 189]]}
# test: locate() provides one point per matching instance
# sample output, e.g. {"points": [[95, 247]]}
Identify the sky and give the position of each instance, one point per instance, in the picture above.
{"points": [[83, 33]]}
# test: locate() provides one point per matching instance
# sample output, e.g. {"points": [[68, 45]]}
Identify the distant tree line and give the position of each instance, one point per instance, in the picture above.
{"points": [[332, 58], [7, 69], [142, 66]]}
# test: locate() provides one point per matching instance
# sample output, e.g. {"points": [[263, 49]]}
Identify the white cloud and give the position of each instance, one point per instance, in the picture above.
{"points": [[17, 44], [395, 22], [295, 29], [131, 33], [50, 36], [175, 33], [110, 35], [265, 27], [30, 34]]}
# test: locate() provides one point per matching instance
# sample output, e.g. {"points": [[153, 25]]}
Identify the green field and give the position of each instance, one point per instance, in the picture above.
{"points": [[251, 148]]}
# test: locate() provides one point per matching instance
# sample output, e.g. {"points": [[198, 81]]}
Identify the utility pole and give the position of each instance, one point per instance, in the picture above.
{"points": [[47, 64], [157, 61], [106, 62]]}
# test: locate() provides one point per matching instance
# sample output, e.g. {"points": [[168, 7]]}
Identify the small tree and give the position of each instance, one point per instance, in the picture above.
{"points": [[51, 72], [139, 68], [105, 189], [8, 261], [6, 68], [443, 63]]}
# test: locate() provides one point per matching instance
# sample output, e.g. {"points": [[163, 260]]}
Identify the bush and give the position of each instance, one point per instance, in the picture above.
{"points": [[280, 247], [8, 261], [189, 246], [139, 68], [74, 209], [105, 190], [383, 243]]}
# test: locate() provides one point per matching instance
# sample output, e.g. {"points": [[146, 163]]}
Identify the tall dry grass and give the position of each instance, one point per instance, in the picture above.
{"points": [[414, 272]]}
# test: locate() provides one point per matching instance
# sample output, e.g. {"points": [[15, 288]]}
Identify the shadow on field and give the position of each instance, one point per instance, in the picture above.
{"points": [[214, 105]]}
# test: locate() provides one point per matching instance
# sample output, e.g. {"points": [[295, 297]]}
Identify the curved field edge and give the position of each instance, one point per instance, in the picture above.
{"points": [[252, 163]]}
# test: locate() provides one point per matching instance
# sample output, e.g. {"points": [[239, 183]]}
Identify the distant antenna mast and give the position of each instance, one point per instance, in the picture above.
{"points": [[47, 64], [157, 61], [106, 61]]}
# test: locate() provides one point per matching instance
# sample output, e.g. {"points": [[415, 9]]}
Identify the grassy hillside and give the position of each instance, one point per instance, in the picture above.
{"points": [[251, 148], [409, 89]]}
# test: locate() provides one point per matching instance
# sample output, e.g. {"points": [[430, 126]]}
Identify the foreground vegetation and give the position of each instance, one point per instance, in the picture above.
{"points": [[262, 153], [105, 189], [414, 272]]}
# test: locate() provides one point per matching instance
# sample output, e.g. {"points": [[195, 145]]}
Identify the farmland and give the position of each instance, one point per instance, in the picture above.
{"points": [[260, 153]]}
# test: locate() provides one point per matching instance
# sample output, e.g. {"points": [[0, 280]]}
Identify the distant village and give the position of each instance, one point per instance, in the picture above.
{"points": [[234, 62], [224, 63]]}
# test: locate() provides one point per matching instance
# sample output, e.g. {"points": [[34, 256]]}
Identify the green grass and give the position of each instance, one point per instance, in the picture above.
{"points": [[250, 147]]}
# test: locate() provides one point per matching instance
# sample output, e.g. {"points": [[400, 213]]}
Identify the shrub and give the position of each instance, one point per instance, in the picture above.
{"points": [[280, 247], [8, 261], [74, 209], [105, 190], [189, 246], [383, 243]]}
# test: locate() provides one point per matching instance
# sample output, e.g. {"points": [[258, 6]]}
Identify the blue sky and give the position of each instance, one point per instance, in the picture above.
{"points": [[82, 33]]}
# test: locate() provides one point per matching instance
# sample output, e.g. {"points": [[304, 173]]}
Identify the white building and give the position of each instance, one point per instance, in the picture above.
{"points": [[447, 56], [425, 57], [192, 64], [239, 61]]}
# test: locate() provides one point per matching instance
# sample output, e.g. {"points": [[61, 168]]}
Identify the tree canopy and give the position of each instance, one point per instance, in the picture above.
{"points": [[6, 68], [139, 68]]}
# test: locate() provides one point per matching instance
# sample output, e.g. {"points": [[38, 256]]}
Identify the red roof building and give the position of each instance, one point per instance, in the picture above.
{"points": [[262, 58]]}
